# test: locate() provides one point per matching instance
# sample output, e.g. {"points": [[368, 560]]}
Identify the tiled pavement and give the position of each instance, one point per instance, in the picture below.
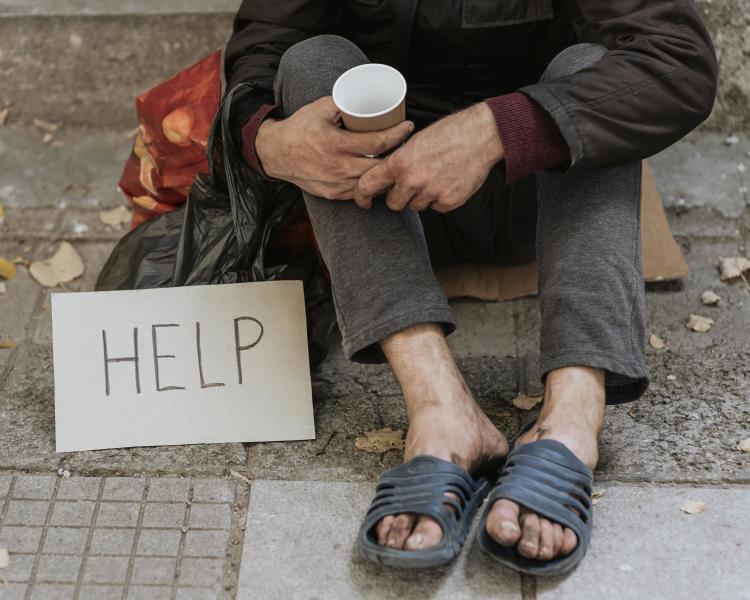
{"points": [[118, 537], [173, 522]]}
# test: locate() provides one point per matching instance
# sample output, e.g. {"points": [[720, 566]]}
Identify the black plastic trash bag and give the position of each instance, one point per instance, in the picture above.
{"points": [[222, 235]]}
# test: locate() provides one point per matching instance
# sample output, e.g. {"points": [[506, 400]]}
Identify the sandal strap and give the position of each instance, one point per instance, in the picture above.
{"points": [[547, 478], [419, 486]]}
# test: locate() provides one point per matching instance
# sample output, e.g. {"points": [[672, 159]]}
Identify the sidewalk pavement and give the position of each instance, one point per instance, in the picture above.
{"points": [[278, 520]]}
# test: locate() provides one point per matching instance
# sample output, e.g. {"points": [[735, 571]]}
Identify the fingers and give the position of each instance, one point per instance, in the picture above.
{"points": [[399, 196], [421, 202], [373, 182], [374, 142]]}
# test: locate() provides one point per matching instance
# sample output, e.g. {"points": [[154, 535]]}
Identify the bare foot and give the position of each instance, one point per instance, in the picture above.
{"points": [[573, 412], [444, 421]]}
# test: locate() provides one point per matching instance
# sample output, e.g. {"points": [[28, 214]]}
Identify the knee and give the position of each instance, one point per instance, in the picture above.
{"points": [[308, 69], [572, 59]]}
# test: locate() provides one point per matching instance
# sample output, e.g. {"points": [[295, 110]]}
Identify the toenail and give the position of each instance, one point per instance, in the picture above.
{"points": [[416, 539], [510, 526]]}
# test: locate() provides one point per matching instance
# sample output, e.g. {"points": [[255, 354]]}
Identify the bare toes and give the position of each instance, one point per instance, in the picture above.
{"points": [[426, 534], [546, 540], [530, 531], [558, 534], [570, 541], [502, 522], [383, 528], [400, 530]]}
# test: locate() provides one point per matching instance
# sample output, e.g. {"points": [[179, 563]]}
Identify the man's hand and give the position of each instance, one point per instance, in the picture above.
{"points": [[311, 151], [440, 167]]}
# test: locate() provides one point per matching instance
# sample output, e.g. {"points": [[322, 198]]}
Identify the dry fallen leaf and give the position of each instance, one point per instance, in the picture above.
{"points": [[115, 217], [732, 267], [3, 116], [46, 126], [380, 440], [4, 558], [3, 289], [7, 344], [7, 269], [744, 446], [525, 402], [657, 342], [700, 324], [2, 215], [709, 298], [66, 265], [596, 496], [47, 138], [693, 507]]}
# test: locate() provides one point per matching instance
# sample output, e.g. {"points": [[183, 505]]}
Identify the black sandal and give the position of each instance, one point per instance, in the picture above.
{"points": [[545, 477], [419, 486]]}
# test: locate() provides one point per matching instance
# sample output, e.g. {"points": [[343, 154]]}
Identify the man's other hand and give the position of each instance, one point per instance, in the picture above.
{"points": [[311, 151], [439, 167]]}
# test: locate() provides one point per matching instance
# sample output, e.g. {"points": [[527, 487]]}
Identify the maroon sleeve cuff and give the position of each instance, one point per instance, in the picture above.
{"points": [[250, 132], [531, 140]]}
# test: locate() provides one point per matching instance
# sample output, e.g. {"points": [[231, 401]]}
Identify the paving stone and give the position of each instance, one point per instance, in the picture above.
{"points": [[118, 514], [281, 510], [20, 539], [101, 592], [5, 481], [168, 490], [681, 172], [19, 568], [201, 572], [58, 568], [123, 488], [27, 225], [158, 542], [193, 593], [212, 490], [673, 556], [112, 541], [78, 488], [149, 593], [13, 591], [106, 569], [206, 543], [65, 540], [149, 570], [210, 516], [73, 513], [164, 515], [34, 487], [26, 512], [56, 591]]}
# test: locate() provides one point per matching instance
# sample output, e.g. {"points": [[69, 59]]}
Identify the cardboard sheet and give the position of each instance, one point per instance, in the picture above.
{"points": [[662, 259], [219, 363]]}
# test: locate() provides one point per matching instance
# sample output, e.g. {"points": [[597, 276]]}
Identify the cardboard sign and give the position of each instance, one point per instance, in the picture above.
{"points": [[217, 363]]}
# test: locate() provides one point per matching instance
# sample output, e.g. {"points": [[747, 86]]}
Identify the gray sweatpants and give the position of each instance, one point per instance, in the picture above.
{"points": [[586, 226]]}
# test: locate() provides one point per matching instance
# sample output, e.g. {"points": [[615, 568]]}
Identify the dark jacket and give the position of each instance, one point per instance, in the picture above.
{"points": [[655, 84]]}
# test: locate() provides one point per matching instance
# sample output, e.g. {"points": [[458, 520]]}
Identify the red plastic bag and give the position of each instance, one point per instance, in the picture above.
{"points": [[174, 121]]}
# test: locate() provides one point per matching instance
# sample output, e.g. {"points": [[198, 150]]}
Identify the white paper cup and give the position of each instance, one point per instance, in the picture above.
{"points": [[370, 97]]}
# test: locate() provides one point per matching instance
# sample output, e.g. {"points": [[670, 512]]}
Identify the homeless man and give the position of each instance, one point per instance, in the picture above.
{"points": [[527, 121]]}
